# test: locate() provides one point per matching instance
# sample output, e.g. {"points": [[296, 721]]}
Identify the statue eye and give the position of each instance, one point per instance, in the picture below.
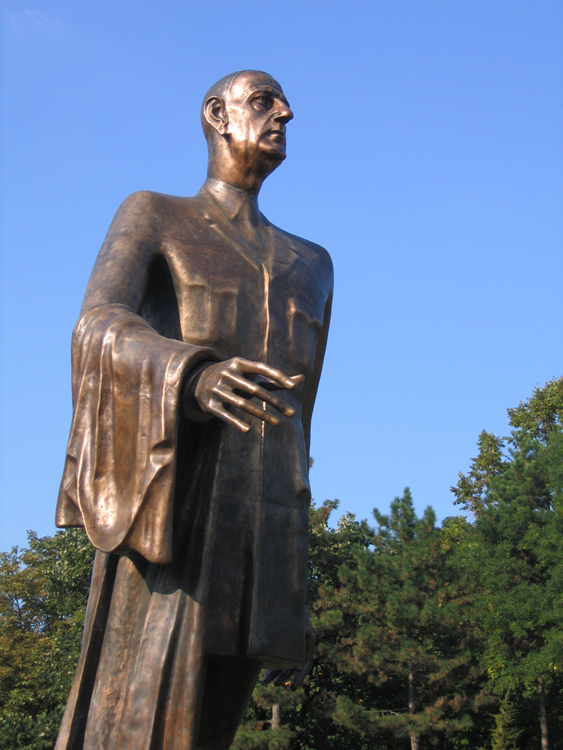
{"points": [[263, 101]]}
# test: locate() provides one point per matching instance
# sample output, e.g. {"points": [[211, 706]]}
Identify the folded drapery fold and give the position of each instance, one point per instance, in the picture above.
{"points": [[118, 479]]}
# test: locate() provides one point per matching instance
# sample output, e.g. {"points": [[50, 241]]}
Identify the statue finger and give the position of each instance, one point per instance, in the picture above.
{"points": [[260, 368], [260, 393], [269, 676], [226, 416], [300, 676], [277, 403], [242, 403], [297, 379], [283, 677]]}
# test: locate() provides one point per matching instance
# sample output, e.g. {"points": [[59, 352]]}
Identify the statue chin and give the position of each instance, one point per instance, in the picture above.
{"points": [[270, 159]]}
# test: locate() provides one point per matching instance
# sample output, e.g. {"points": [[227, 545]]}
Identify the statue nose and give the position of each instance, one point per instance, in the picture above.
{"points": [[284, 113]]}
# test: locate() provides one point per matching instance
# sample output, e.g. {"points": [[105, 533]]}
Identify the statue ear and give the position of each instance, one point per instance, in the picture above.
{"points": [[214, 113]]}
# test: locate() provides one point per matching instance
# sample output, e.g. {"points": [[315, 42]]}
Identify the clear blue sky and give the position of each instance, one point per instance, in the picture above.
{"points": [[426, 155]]}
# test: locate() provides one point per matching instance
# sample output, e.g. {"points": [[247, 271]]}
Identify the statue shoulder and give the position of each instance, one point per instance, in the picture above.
{"points": [[146, 211], [147, 199], [136, 214], [144, 200], [315, 255], [134, 241]]}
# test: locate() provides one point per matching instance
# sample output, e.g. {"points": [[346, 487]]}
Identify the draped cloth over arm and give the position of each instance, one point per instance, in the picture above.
{"points": [[118, 480]]}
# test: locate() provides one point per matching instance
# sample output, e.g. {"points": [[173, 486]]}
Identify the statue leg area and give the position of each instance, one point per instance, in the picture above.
{"points": [[71, 734], [139, 683], [229, 683]]}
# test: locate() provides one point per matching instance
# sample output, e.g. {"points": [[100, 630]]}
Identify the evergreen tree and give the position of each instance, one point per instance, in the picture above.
{"points": [[471, 491], [263, 728], [505, 733], [416, 625], [307, 716], [414, 639], [335, 627]]}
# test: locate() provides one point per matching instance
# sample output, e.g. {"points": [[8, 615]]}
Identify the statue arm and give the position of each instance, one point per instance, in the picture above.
{"points": [[132, 244], [127, 383]]}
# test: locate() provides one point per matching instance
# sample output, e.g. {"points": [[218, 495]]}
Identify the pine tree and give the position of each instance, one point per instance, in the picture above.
{"points": [[505, 733], [306, 716], [471, 489], [414, 641]]}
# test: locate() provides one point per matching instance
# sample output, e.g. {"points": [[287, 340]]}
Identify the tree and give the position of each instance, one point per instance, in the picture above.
{"points": [[505, 733], [262, 728], [307, 716], [43, 594], [515, 554], [397, 658], [471, 491], [414, 639]]}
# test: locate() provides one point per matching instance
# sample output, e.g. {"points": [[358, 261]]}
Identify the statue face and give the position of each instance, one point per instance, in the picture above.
{"points": [[257, 113]]}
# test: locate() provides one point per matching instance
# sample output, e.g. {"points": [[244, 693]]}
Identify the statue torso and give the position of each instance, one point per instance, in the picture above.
{"points": [[259, 294]]}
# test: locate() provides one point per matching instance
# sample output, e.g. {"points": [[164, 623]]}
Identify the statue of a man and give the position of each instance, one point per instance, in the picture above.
{"points": [[196, 361]]}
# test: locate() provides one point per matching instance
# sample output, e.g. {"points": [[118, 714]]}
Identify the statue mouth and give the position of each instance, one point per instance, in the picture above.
{"points": [[276, 136]]}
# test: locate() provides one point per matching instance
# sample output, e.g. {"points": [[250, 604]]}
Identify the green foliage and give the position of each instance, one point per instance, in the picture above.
{"points": [[466, 611], [472, 489], [412, 629], [43, 593], [422, 631], [257, 732], [514, 554], [505, 733], [258, 735], [384, 604], [540, 415], [537, 431]]}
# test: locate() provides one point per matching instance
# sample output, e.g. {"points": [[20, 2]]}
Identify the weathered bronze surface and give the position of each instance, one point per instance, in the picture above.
{"points": [[196, 361]]}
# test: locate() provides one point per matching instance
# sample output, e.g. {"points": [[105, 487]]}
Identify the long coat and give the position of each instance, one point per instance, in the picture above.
{"points": [[201, 529]]}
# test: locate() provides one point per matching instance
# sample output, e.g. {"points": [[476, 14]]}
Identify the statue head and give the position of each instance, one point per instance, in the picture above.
{"points": [[244, 117]]}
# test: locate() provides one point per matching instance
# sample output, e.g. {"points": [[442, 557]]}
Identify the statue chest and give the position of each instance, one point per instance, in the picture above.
{"points": [[264, 304]]}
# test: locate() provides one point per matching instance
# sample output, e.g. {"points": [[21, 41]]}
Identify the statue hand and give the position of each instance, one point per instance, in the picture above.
{"points": [[218, 382], [281, 676]]}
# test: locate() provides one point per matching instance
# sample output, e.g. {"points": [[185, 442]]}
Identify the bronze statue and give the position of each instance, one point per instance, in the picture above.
{"points": [[196, 361]]}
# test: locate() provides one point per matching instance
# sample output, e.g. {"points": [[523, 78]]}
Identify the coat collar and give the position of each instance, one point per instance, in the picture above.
{"points": [[235, 203]]}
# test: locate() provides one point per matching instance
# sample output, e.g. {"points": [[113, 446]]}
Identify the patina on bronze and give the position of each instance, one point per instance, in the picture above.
{"points": [[196, 361]]}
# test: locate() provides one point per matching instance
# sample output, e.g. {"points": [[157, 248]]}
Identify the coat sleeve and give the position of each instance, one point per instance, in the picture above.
{"points": [[118, 479]]}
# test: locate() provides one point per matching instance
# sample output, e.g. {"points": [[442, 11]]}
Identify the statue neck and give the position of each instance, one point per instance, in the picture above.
{"points": [[234, 201]]}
